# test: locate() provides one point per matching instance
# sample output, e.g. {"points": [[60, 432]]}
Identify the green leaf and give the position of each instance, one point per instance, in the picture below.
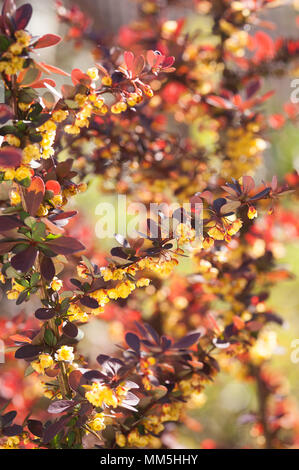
{"points": [[5, 42], [30, 221], [49, 337], [28, 371], [34, 279], [38, 231]]}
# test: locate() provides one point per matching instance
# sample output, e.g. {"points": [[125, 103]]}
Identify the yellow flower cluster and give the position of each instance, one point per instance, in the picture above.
{"points": [[76, 313], [48, 131], [15, 290], [185, 234], [224, 231], [88, 105], [56, 284], [264, 347], [10, 443], [237, 41], [43, 362], [11, 61], [65, 353], [18, 175], [97, 423], [31, 152], [243, 149], [100, 395], [151, 424], [12, 140]]}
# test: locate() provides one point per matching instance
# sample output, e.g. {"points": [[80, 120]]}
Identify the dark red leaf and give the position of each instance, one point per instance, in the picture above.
{"points": [[34, 195], [65, 245], [89, 302], [47, 268], [261, 194], [80, 77], [9, 222], [187, 341], [47, 40], [6, 247], [13, 430], [25, 259], [23, 16], [6, 113], [60, 406], [219, 102], [75, 378], [35, 427], [52, 430], [45, 313], [28, 351], [8, 418], [10, 157], [133, 341], [9, 8], [70, 330]]}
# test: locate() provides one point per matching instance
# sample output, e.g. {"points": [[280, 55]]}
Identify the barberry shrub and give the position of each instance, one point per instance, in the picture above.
{"points": [[164, 115]]}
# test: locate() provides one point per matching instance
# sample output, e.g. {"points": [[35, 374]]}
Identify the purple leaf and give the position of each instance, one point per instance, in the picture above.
{"points": [[8, 418], [10, 157], [60, 406], [65, 245], [23, 16], [187, 341], [6, 113], [47, 268], [75, 378], [35, 427], [133, 341], [13, 430], [55, 428], [28, 351], [45, 313], [25, 259], [9, 222], [89, 302], [70, 330]]}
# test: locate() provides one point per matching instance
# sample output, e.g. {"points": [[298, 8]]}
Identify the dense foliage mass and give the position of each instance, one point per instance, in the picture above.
{"points": [[136, 121]]}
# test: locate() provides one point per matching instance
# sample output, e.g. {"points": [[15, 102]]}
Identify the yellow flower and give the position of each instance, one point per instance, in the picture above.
{"points": [[98, 422], [23, 37], [120, 439], [9, 174], [118, 107], [216, 233], [143, 282], [80, 99], [12, 140], [65, 353], [252, 212], [235, 227], [77, 314], [31, 152], [24, 106], [56, 284], [59, 115], [106, 80], [93, 73], [44, 362], [137, 440], [15, 291], [71, 129], [264, 347], [22, 172], [101, 395]]}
